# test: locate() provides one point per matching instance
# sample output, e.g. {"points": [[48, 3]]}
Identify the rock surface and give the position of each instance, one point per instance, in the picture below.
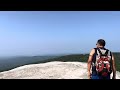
{"points": [[49, 70]]}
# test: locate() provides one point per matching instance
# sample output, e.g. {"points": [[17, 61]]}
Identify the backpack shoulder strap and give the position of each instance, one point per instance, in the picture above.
{"points": [[110, 54], [95, 50], [94, 57], [99, 52], [106, 53]]}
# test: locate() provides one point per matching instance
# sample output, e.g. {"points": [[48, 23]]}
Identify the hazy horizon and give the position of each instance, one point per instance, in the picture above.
{"points": [[31, 33], [9, 56]]}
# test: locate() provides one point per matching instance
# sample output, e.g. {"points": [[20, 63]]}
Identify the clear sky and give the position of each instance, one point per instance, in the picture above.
{"points": [[57, 32]]}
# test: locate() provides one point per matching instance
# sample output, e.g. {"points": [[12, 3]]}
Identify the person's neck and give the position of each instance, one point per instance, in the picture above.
{"points": [[100, 47]]}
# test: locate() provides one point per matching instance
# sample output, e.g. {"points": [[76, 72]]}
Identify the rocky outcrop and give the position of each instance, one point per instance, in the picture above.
{"points": [[50, 70]]}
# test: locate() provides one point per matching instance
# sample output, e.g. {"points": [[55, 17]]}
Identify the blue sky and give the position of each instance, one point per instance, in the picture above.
{"points": [[57, 32]]}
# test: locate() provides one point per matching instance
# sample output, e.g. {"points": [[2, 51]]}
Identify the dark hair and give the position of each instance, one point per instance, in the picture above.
{"points": [[101, 42]]}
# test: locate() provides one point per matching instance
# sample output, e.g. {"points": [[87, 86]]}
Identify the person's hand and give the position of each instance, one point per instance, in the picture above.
{"points": [[89, 75], [113, 77]]}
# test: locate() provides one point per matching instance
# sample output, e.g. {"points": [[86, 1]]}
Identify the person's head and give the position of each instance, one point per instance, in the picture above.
{"points": [[101, 43]]}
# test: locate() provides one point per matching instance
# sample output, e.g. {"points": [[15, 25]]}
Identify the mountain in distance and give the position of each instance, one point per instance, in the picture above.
{"points": [[7, 63]]}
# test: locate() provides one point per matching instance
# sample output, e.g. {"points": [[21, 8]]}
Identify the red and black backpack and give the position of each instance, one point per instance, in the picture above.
{"points": [[103, 62]]}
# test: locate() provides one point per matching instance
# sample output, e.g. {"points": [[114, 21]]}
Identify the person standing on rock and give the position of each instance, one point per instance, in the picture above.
{"points": [[101, 62]]}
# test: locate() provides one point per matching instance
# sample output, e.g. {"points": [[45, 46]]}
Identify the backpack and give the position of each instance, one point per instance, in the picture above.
{"points": [[103, 62]]}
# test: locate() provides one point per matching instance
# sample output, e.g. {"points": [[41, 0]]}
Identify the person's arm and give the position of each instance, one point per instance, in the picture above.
{"points": [[113, 67], [90, 62]]}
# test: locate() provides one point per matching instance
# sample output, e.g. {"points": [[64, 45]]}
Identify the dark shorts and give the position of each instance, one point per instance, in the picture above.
{"points": [[99, 77]]}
